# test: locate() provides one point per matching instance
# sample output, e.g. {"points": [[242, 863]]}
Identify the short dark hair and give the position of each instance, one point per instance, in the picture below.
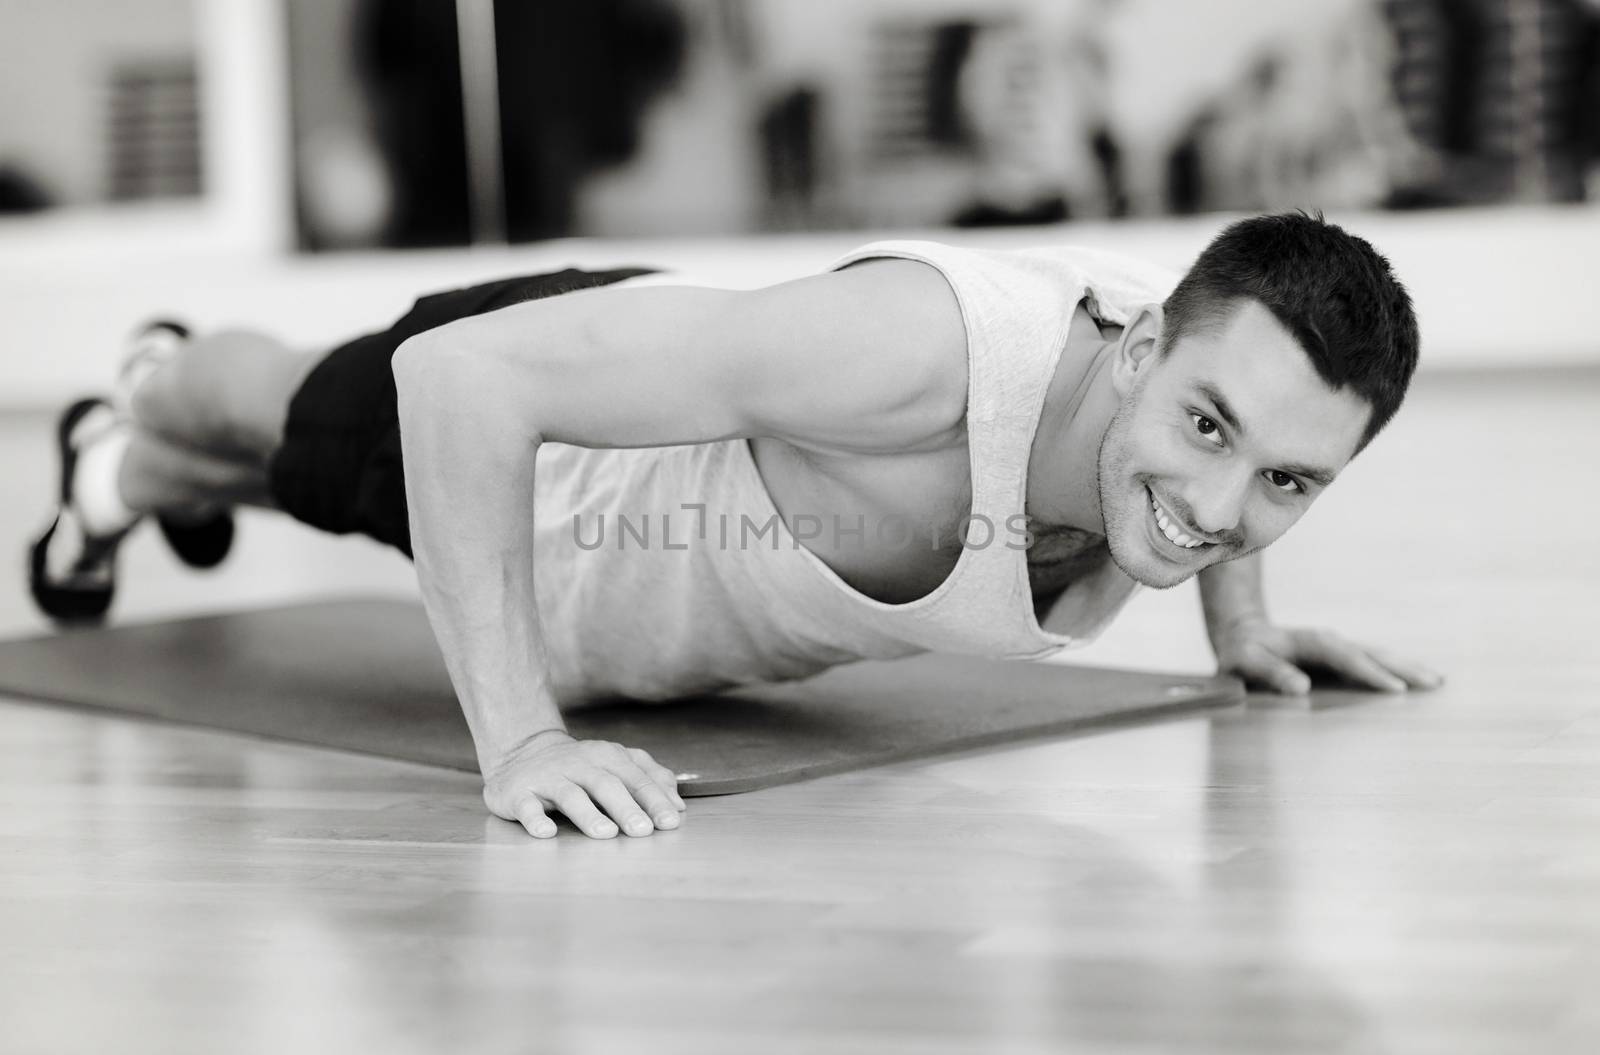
{"points": [[1335, 293]]}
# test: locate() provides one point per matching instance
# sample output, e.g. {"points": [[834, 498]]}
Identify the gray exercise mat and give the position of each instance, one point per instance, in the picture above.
{"points": [[365, 675]]}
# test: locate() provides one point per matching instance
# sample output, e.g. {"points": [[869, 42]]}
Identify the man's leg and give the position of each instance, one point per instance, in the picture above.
{"points": [[158, 476], [237, 417], [222, 407], [188, 435], [206, 422]]}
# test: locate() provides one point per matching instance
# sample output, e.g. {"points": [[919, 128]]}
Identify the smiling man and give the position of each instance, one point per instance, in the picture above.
{"points": [[923, 448]]}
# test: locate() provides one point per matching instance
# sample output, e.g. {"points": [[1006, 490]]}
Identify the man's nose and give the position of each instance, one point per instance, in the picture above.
{"points": [[1217, 504]]}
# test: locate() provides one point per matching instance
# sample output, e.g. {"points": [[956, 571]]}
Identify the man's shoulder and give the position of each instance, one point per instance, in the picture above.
{"points": [[913, 318], [864, 358]]}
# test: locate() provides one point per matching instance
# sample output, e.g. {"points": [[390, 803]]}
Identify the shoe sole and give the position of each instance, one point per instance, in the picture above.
{"points": [[67, 604]]}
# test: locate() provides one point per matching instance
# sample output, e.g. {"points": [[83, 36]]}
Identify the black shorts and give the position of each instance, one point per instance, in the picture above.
{"points": [[339, 467]]}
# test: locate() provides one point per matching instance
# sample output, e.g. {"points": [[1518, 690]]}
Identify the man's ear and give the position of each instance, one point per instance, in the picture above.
{"points": [[1137, 351]]}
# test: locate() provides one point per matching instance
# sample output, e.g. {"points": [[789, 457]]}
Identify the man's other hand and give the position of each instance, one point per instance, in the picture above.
{"points": [[600, 786], [1284, 659]]}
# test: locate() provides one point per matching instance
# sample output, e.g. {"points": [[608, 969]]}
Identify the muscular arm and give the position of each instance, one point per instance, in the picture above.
{"points": [[1231, 593], [868, 358]]}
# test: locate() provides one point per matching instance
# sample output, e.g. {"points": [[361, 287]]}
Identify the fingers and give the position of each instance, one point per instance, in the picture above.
{"points": [[1261, 666], [601, 787], [530, 814], [1285, 678], [574, 801], [609, 792], [663, 776], [635, 799], [1414, 674], [1347, 660], [650, 795], [1277, 659]]}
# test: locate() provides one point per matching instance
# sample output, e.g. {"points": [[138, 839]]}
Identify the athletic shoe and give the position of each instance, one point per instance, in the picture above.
{"points": [[201, 542], [73, 574]]}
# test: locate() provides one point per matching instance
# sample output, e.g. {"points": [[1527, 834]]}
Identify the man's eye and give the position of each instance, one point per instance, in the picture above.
{"points": [[1207, 428], [1283, 481]]}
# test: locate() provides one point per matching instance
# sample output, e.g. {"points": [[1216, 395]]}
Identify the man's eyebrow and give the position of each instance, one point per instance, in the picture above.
{"points": [[1320, 477], [1224, 411]]}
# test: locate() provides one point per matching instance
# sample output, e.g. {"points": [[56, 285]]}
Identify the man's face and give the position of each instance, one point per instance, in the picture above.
{"points": [[1218, 446]]}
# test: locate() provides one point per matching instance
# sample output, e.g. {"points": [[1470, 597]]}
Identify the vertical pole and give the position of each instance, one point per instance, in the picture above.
{"points": [[480, 104], [1528, 88]]}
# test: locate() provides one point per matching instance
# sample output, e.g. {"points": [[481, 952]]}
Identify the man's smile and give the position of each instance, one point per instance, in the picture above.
{"points": [[1171, 528]]}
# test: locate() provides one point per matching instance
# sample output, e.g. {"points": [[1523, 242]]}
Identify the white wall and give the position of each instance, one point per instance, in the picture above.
{"points": [[1492, 287]]}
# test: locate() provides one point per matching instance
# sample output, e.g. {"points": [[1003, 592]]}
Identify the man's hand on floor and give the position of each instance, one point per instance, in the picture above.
{"points": [[593, 782], [1282, 658]]}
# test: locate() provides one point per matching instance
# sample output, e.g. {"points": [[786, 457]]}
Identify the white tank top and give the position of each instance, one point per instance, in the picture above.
{"points": [[662, 572]]}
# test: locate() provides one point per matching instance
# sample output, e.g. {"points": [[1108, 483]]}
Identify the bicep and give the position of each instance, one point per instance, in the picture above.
{"points": [[869, 357]]}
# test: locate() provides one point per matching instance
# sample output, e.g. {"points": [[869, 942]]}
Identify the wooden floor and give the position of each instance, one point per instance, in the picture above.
{"points": [[1360, 874]]}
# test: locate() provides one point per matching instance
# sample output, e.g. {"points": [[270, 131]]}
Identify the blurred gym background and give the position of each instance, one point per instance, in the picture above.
{"points": [[445, 122], [262, 161]]}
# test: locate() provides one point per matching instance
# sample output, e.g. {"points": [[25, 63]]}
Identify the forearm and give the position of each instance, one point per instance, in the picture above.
{"points": [[1231, 593], [469, 486]]}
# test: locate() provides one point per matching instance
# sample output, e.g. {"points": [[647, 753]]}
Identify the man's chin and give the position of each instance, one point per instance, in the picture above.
{"points": [[1154, 578], [1153, 583]]}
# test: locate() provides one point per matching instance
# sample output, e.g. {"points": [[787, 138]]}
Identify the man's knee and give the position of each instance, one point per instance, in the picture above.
{"points": [[225, 391]]}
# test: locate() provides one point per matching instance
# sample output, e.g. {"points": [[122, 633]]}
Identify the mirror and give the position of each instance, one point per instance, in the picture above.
{"points": [[99, 103]]}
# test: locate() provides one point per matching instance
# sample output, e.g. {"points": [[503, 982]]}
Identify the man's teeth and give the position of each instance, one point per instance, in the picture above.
{"points": [[1174, 536]]}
